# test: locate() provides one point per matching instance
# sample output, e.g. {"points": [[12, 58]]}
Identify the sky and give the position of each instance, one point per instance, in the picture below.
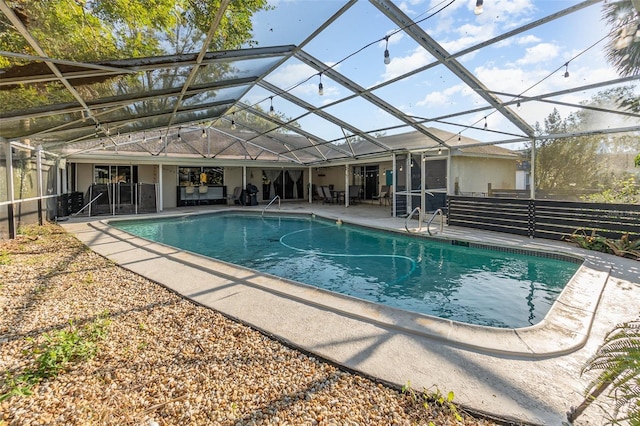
{"points": [[529, 64]]}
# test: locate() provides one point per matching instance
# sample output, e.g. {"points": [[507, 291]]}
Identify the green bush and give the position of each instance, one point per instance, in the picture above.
{"points": [[55, 354]]}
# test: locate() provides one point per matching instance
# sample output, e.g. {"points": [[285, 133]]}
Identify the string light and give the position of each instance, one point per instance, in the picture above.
{"points": [[485, 122], [439, 150], [478, 9], [387, 59], [159, 140], [204, 134], [518, 105], [566, 70], [458, 137], [272, 111], [233, 121], [320, 87], [179, 137]]}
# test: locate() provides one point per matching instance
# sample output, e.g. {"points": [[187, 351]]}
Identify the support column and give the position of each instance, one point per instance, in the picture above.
{"points": [[346, 185], [394, 176], [423, 191], [39, 183], [532, 183], [10, 192], [159, 188], [310, 185], [450, 184]]}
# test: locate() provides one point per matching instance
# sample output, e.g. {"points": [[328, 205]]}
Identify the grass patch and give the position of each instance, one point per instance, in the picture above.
{"points": [[5, 257], [58, 351]]}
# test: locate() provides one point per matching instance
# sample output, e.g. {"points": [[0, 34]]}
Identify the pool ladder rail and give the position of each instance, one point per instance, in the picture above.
{"points": [[277, 197], [436, 213], [417, 210], [409, 216]]}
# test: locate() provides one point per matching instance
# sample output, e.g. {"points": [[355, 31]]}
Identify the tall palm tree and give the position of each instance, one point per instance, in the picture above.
{"points": [[623, 47]]}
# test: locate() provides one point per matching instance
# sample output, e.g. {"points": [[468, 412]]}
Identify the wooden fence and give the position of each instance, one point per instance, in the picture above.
{"points": [[544, 218]]}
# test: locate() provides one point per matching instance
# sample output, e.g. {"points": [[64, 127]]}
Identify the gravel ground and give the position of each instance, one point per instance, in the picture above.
{"points": [[163, 359]]}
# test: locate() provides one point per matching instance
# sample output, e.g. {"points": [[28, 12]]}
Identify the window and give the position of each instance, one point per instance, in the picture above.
{"points": [[200, 175], [115, 174]]}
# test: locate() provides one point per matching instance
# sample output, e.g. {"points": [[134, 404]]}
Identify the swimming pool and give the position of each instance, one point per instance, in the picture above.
{"points": [[489, 287]]}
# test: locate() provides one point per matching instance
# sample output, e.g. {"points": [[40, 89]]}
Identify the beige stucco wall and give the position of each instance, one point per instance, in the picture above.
{"points": [[232, 178], [169, 185], [148, 173], [84, 175], [473, 174]]}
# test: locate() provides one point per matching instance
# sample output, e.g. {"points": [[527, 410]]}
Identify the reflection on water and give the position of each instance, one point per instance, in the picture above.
{"points": [[472, 285]]}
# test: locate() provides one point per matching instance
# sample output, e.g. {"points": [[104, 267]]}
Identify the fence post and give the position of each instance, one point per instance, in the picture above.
{"points": [[531, 219]]}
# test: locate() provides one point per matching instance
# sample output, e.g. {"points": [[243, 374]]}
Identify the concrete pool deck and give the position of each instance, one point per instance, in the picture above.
{"points": [[528, 375]]}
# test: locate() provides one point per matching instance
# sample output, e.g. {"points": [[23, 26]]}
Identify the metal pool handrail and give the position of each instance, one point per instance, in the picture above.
{"points": [[406, 221], [271, 202], [433, 217]]}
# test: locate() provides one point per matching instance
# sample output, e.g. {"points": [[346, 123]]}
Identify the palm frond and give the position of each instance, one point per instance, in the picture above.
{"points": [[618, 360]]}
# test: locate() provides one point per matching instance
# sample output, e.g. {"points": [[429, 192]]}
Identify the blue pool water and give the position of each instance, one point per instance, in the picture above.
{"points": [[472, 285]]}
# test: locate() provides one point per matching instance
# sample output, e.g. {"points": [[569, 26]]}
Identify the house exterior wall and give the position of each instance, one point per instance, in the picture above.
{"points": [[147, 173], [169, 185], [326, 176], [473, 174]]}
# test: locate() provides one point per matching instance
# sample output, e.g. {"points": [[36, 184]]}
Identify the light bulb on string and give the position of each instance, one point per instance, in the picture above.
{"points": [[566, 70], [179, 137], [272, 111], [387, 59], [320, 87], [485, 123], [518, 105], [478, 9], [233, 121], [439, 150], [204, 134], [459, 138]]}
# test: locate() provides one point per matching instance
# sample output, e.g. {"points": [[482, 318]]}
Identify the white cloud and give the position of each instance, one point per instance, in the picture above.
{"points": [[400, 65], [541, 52], [528, 39], [445, 97]]}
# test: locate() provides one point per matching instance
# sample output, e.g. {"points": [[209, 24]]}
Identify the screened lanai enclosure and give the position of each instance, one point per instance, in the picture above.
{"points": [[474, 107]]}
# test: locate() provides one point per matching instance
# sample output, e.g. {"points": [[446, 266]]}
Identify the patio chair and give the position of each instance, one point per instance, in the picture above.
{"points": [[237, 195], [328, 198], [202, 193], [189, 195], [354, 194], [320, 194]]}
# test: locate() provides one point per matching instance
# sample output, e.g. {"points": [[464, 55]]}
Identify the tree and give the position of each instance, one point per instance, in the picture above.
{"points": [[623, 47], [567, 163], [591, 161], [99, 30]]}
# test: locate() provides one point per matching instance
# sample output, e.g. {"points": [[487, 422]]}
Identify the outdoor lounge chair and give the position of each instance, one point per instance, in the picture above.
{"points": [[326, 194]]}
